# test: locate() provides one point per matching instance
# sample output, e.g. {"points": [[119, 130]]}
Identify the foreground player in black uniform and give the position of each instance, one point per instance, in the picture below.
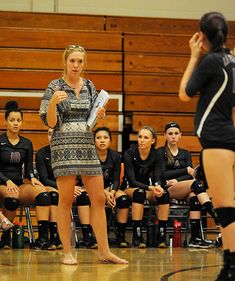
{"points": [[46, 176], [111, 166], [143, 176], [213, 75], [177, 172], [16, 151]]}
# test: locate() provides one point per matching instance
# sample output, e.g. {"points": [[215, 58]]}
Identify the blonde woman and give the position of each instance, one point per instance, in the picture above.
{"points": [[65, 107]]}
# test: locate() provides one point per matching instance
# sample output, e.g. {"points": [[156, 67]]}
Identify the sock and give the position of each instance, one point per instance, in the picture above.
{"points": [[53, 230], [137, 228], [43, 229], [226, 259], [231, 260], [121, 229], [86, 231], [195, 228], [210, 210], [161, 234]]}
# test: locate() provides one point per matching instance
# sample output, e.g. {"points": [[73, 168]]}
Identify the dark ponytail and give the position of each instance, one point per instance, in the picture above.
{"points": [[12, 106], [215, 27]]}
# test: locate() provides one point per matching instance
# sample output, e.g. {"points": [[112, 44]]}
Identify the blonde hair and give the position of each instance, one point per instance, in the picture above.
{"points": [[71, 49], [153, 133]]}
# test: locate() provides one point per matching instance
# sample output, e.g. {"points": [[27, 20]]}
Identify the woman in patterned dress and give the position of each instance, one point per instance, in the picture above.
{"points": [[65, 107]]}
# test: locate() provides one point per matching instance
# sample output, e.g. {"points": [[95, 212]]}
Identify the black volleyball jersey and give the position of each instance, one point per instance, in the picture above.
{"points": [[214, 77], [141, 173], [177, 168], [111, 168], [43, 165], [13, 158]]}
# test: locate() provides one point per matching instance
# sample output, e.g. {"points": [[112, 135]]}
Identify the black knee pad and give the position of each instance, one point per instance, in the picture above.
{"points": [[139, 196], [225, 215], [164, 199], [194, 204], [11, 204], [43, 199], [123, 202], [197, 187], [54, 196], [83, 199]]}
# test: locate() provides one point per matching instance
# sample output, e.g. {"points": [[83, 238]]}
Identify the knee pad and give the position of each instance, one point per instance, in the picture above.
{"points": [[164, 199], [139, 196], [83, 199], [225, 215], [123, 202], [43, 199], [194, 204], [54, 196], [11, 204], [198, 188]]}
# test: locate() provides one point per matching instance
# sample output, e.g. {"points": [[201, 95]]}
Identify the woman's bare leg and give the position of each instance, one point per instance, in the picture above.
{"points": [[65, 186], [221, 184], [95, 189]]}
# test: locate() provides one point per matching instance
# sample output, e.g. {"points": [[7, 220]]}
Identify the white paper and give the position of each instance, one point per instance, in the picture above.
{"points": [[100, 101]]}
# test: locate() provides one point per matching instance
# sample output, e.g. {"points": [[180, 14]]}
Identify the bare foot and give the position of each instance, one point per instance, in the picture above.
{"points": [[68, 259], [111, 258]]}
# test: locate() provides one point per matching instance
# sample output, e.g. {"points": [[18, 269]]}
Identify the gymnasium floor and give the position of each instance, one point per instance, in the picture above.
{"points": [[149, 264]]}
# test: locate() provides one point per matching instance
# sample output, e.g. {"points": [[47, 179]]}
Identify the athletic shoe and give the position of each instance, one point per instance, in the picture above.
{"points": [[122, 243], [58, 244], [139, 242], [200, 243], [41, 244], [55, 244], [162, 244], [51, 247], [90, 243]]}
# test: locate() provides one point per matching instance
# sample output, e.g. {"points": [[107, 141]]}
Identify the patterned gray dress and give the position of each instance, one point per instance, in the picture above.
{"points": [[72, 146]]}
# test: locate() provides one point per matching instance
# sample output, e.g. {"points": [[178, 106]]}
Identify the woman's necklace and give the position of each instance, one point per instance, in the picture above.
{"points": [[76, 87], [13, 139], [103, 156]]}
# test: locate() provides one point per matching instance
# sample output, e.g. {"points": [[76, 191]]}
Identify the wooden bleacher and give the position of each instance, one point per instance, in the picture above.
{"points": [[140, 61]]}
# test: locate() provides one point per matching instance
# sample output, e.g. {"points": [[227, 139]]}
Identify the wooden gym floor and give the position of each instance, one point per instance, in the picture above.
{"points": [[149, 264]]}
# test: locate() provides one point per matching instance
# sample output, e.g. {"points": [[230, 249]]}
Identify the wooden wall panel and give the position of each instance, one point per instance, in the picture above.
{"points": [[59, 39], [51, 20], [39, 80], [158, 103], [33, 103], [161, 43], [52, 60], [158, 121], [156, 25], [153, 83], [147, 63]]}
